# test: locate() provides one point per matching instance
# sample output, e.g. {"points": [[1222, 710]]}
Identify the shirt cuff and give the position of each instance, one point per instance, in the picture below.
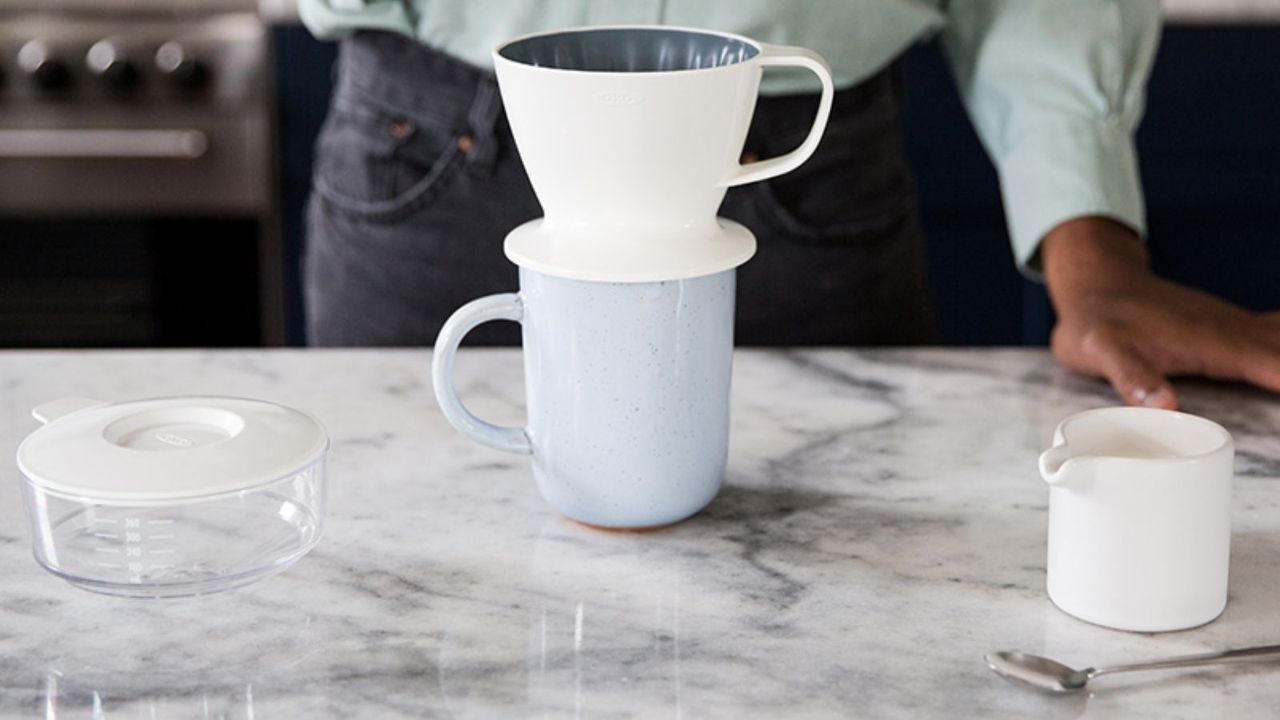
{"points": [[1064, 172]]}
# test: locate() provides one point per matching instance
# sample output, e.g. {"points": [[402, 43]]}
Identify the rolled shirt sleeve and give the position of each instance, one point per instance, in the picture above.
{"points": [[1055, 89]]}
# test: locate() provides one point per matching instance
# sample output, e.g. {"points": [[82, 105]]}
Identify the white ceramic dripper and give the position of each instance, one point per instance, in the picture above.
{"points": [[630, 137]]}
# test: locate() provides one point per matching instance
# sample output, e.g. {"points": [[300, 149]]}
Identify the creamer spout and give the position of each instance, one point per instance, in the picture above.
{"points": [[1053, 463]]}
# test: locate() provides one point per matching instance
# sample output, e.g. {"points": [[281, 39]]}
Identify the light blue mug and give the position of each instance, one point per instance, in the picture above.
{"points": [[627, 388]]}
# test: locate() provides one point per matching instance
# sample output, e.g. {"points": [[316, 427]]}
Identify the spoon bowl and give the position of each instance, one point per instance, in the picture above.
{"points": [[1039, 672]]}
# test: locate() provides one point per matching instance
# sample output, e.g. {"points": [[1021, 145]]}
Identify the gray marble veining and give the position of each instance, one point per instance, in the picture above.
{"points": [[882, 526]]}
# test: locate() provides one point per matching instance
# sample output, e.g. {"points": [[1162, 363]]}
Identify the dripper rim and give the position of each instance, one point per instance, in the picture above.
{"points": [[498, 57]]}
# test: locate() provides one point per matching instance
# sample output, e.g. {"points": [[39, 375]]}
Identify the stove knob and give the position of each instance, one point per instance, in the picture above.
{"points": [[175, 61], [107, 61], [46, 71]]}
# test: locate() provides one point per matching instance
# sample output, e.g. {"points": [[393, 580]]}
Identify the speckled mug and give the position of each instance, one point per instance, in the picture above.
{"points": [[627, 389]]}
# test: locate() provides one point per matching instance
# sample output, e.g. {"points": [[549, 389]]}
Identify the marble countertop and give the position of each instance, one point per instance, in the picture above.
{"points": [[882, 527]]}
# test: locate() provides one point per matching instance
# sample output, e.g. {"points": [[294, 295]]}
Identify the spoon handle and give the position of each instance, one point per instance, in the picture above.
{"points": [[1262, 652]]}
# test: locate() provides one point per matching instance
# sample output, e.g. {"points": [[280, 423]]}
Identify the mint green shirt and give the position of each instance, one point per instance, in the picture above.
{"points": [[1055, 88]]}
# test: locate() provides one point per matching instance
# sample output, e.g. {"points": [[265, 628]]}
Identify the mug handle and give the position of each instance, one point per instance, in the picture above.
{"points": [[794, 57], [506, 306]]}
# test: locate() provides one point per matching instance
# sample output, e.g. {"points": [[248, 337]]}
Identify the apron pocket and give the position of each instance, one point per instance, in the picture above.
{"points": [[378, 165]]}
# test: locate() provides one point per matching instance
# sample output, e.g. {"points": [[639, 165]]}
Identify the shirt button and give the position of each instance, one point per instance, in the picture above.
{"points": [[465, 143]]}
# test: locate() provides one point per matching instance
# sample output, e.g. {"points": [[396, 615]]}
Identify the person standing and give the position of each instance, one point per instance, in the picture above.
{"points": [[418, 180]]}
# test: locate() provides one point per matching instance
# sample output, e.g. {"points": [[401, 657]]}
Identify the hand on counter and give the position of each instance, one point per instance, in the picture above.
{"points": [[1119, 321]]}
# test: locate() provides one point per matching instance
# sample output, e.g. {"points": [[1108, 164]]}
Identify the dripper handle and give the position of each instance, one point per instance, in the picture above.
{"points": [[506, 306], [783, 55]]}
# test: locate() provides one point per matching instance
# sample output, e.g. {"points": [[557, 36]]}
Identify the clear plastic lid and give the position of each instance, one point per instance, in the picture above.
{"points": [[167, 448]]}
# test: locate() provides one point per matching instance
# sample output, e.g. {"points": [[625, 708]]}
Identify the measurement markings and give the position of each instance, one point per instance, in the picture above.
{"points": [[107, 536], [108, 521], [159, 522], [113, 551], [166, 536], [162, 551], [110, 565]]}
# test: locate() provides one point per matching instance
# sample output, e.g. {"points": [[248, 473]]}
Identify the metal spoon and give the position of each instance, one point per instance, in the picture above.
{"points": [[1051, 675]]}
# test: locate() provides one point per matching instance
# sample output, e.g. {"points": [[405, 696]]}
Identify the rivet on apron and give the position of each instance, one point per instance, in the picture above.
{"points": [[465, 143], [749, 157], [400, 129]]}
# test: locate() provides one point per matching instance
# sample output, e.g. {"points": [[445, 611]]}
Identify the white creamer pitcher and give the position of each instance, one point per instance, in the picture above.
{"points": [[1139, 518]]}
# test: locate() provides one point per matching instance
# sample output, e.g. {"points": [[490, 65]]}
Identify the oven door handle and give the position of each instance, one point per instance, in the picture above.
{"points": [[97, 144]]}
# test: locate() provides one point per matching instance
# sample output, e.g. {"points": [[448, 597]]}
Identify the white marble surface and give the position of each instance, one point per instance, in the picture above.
{"points": [[882, 527]]}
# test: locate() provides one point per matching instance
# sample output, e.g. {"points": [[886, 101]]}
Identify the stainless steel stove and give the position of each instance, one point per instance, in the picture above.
{"points": [[139, 134]]}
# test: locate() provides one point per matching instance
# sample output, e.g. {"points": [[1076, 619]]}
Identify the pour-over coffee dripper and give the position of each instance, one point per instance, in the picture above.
{"points": [[630, 136]]}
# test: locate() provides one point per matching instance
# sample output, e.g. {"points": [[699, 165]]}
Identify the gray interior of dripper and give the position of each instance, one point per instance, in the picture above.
{"points": [[629, 50]]}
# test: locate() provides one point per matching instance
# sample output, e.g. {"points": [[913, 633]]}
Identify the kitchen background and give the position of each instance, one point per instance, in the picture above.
{"points": [[155, 158]]}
